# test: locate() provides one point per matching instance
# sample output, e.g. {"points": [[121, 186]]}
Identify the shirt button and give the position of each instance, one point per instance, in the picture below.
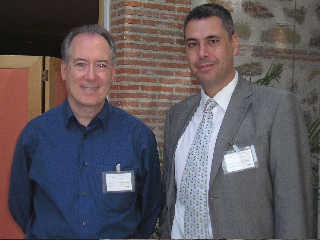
{"points": [[85, 136], [85, 164], [84, 223], [84, 194]]}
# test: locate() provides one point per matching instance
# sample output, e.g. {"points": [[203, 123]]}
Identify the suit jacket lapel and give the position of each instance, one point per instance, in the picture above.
{"points": [[185, 115], [236, 110]]}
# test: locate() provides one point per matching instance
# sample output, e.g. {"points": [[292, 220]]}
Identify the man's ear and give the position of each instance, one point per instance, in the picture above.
{"points": [[63, 70], [235, 44], [113, 73]]}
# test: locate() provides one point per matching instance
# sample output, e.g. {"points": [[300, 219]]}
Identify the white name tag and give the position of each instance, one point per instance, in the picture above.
{"points": [[118, 182], [242, 159]]}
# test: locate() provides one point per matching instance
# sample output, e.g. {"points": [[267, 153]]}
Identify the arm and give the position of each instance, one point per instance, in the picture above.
{"points": [[150, 192], [21, 188], [291, 171]]}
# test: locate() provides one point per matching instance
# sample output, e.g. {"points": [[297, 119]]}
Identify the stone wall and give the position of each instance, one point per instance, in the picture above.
{"points": [[285, 32]]}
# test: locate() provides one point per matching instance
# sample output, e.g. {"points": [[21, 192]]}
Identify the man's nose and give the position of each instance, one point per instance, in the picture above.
{"points": [[203, 51], [91, 72]]}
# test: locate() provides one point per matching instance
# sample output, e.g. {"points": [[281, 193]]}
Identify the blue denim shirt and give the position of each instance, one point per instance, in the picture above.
{"points": [[56, 187]]}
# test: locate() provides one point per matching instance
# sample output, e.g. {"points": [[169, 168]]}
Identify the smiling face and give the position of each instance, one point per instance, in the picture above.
{"points": [[210, 53], [89, 72]]}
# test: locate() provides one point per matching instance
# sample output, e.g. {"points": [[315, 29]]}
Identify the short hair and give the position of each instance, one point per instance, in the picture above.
{"points": [[87, 29], [210, 10]]}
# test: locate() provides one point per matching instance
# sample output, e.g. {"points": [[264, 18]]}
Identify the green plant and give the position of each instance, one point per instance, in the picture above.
{"points": [[314, 141], [273, 73]]}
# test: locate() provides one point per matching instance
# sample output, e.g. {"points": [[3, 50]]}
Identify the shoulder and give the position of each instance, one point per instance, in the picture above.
{"points": [[49, 118], [185, 104], [266, 94]]}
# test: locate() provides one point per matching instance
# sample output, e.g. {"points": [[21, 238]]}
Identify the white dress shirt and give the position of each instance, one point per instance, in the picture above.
{"points": [[222, 98]]}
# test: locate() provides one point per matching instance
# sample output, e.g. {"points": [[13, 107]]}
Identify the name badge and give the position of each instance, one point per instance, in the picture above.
{"points": [[239, 159], [118, 181]]}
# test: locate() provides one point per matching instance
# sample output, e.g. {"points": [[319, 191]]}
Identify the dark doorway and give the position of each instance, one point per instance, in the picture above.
{"points": [[37, 27]]}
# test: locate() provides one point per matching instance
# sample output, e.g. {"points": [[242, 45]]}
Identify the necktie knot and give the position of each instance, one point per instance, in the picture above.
{"points": [[210, 104]]}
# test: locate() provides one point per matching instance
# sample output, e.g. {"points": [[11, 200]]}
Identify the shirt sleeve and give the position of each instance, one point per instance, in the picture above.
{"points": [[291, 171], [20, 189], [149, 195]]}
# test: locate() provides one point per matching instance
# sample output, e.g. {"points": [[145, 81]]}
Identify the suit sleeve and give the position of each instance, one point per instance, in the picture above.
{"points": [[21, 188], [164, 221], [291, 171]]}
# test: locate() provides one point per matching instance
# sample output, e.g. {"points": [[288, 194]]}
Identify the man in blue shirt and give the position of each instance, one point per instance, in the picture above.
{"points": [[86, 169]]}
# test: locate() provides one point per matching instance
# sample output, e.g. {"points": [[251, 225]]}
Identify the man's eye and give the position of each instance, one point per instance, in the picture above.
{"points": [[213, 41], [192, 44], [80, 65], [101, 67]]}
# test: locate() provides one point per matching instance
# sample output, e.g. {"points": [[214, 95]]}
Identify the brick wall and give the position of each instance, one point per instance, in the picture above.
{"points": [[151, 69]]}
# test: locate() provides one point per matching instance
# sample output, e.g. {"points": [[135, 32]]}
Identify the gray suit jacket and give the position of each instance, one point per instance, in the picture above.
{"points": [[271, 201]]}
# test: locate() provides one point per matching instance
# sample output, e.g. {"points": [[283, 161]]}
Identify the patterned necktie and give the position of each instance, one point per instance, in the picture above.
{"points": [[193, 188]]}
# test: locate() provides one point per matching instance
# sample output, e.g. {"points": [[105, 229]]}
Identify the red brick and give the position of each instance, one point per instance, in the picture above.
{"points": [[137, 46], [125, 53], [171, 49], [158, 23], [187, 90], [173, 65], [159, 6], [158, 39], [124, 87], [173, 81], [183, 9], [156, 88], [132, 95], [172, 96], [183, 74], [137, 29], [127, 70], [172, 16], [148, 13], [141, 112], [157, 72], [157, 104], [133, 3], [125, 103], [153, 120], [132, 21], [166, 56], [140, 63]]}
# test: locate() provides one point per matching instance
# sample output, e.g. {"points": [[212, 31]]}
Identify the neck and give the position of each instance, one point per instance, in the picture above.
{"points": [[212, 88], [85, 114]]}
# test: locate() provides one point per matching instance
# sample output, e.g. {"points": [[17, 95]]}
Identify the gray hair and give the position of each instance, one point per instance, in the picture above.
{"points": [[87, 29], [211, 10]]}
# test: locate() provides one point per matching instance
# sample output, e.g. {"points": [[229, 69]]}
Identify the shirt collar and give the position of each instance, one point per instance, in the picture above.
{"points": [[223, 97], [103, 115]]}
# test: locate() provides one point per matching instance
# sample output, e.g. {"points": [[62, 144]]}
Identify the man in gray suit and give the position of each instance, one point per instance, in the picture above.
{"points": [[258, 168]]}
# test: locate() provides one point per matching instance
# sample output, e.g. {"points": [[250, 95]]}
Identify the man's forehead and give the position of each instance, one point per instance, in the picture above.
{"points": [[206, 28]]}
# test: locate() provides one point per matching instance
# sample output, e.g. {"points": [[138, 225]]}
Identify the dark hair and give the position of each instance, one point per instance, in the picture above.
{"points": [[210, 10], [87, 29]]}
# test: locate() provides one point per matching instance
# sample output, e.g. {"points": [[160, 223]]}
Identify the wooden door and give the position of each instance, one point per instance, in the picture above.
{"points": [[55, 87], [21, 100]]}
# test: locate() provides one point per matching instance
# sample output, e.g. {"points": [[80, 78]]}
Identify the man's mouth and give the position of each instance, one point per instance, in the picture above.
{"points": [[90, 88], [204, 67]]}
